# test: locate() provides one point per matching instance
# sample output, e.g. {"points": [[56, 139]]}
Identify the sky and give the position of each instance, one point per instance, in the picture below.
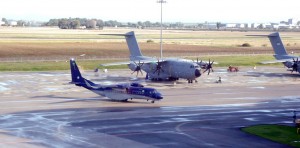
{"points": [[187, 11]]}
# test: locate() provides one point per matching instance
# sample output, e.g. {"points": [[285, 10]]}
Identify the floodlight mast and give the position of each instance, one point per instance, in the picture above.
{"points": [[161, 2]]}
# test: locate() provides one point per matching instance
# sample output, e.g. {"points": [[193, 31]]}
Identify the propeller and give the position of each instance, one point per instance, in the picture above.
{"points": [[295, 65], [138, 68], [201, 64], [208, 67], [158, 68]]}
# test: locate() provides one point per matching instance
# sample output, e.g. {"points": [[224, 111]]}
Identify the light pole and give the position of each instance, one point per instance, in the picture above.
{"points": [[161, 2]]}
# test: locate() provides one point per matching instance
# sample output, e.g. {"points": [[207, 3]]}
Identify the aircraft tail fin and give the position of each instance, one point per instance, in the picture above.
{"points": [[278, 47], [131, 43], [77, 79]]}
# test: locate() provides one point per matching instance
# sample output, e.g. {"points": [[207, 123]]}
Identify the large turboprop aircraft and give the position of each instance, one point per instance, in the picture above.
{"points": [[161, 69], [120, 92], [281, 55]]}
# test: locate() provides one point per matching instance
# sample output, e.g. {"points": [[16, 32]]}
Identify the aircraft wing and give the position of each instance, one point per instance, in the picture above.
{"points": [[128, 62], [115, 63], [277, 61]]}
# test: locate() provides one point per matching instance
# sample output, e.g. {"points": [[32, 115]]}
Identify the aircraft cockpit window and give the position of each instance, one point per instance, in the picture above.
{"points": [[197, 66]]}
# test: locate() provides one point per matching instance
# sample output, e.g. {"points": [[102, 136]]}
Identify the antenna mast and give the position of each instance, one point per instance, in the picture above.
{"points": [[161, 2]]}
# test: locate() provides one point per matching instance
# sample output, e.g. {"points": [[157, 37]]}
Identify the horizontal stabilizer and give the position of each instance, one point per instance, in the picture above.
{"points": [[270, 35], [115, 64], [125, 63], [259, 35], [277, 61], [127, 34]]}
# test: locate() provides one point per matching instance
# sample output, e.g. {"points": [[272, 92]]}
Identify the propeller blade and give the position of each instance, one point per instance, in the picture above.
{"points": [[141, 72]]}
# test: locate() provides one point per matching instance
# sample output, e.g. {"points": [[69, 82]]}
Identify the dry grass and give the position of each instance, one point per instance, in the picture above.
{"points": [[115, 49], [53, 42]]}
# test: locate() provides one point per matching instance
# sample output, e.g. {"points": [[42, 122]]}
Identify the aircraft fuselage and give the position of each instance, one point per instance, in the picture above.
{"points": [[170, 69]]}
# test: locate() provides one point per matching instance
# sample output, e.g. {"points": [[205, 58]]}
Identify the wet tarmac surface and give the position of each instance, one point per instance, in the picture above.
{"points": [[41, 110]]}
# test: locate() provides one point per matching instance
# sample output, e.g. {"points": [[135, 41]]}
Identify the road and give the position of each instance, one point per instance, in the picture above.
{"points": [[40, 110]]}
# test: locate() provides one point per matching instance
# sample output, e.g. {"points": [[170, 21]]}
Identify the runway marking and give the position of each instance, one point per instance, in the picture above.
{"points": [[48, 100], [250, 119], [177, 128], [45, 106]]}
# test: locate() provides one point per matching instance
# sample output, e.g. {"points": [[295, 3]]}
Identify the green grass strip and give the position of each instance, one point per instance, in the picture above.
{"points": [[278, 133], [224, 61]]}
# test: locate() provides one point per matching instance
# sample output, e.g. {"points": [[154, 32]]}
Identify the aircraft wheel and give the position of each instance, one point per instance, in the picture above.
{"points": [[152, 101]]}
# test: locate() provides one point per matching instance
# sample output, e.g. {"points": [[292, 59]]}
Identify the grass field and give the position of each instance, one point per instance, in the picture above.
{"points": [[44, 44], [223, 61], [278, 133]]}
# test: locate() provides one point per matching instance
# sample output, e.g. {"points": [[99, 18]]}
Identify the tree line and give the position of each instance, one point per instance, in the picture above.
{"points": [[76, 23]]}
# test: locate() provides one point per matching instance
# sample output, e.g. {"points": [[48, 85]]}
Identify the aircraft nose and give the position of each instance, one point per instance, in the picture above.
{"points": [[158, 96], [197, 73]]}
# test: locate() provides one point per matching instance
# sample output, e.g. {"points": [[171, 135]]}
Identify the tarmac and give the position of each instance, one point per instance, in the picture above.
{"points": [[40, 109]]}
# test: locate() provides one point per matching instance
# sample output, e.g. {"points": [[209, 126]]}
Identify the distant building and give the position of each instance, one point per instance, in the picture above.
{"points": [[208, 25], [284, 26], [240, 25], [231, 25], [255, 25], [292, 21], [12, 23], [82, 27], [1, 22], [248, 25], [267, 26], [189, 25]]}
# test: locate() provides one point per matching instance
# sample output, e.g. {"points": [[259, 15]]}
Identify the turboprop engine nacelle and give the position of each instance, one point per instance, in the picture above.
{"points": [[132, 66]]}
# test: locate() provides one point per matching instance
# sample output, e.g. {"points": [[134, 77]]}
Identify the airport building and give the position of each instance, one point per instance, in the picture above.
{"points": [[1, 22], [292, 21]]}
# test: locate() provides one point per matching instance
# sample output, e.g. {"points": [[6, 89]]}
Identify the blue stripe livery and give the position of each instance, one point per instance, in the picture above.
{"points": [[120, 91]]}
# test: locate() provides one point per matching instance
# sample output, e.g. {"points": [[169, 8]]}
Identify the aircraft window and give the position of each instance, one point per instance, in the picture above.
{"points": [[197, 66], [192, 66]]}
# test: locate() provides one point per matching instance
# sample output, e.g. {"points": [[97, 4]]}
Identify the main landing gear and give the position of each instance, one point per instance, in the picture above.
{"points": [[191, 81], [151, 101]]}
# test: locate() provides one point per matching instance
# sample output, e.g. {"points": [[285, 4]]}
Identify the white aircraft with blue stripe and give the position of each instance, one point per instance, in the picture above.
{"points": [[120, 92]]}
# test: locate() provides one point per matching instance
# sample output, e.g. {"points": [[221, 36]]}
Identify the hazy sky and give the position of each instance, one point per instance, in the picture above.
{"points": [[226, 11]]}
